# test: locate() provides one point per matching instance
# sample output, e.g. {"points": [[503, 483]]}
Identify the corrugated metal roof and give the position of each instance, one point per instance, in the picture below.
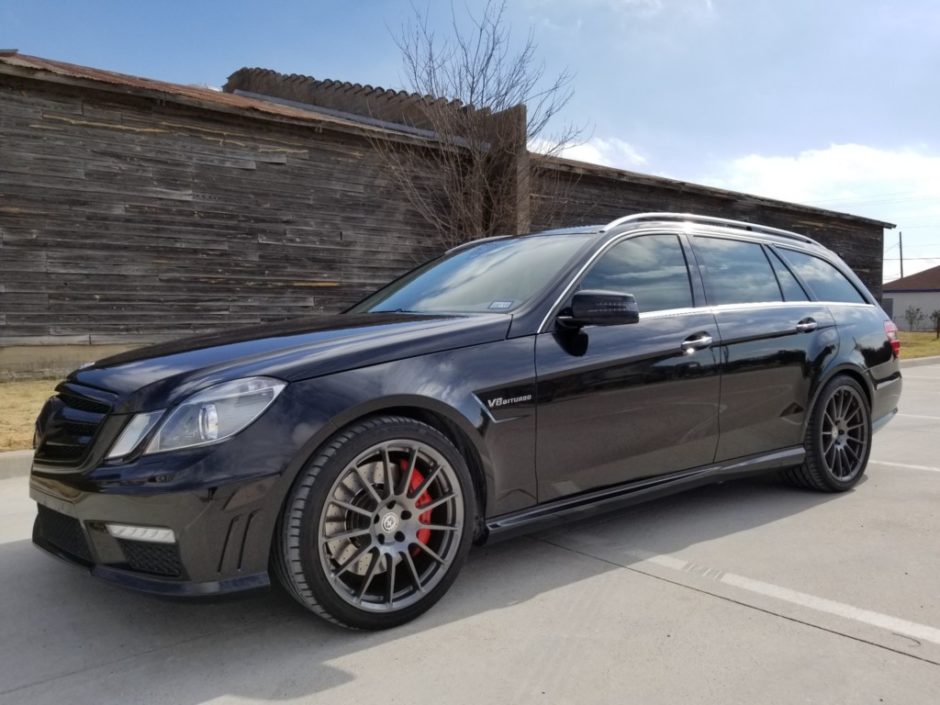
{"points": [[339, 87], [928, 280], [36, 67], [414, 110]]}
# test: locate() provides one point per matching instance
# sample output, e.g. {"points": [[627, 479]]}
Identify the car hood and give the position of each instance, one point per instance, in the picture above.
{"points": [[157, 376]]}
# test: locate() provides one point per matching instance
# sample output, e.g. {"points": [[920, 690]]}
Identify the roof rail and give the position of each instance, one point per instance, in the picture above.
{"points": [[707, 220], [468, 243]]}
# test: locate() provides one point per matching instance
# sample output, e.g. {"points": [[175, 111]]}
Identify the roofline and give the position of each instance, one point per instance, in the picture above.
{"points": [[588, 169], [909, 291], [164, 91], [28, 67]]}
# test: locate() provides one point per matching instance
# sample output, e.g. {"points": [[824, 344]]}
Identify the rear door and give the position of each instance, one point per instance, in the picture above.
{"points": [[774, 343], [620, 403]]}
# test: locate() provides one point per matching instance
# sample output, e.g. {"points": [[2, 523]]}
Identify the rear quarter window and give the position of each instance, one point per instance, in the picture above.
{"points": [[825, 281]]}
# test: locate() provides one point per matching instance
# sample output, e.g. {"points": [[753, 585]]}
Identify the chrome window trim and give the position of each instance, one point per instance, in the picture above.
{"points": [[660, 230], [720, 308], [677, 229], [673, 312]]}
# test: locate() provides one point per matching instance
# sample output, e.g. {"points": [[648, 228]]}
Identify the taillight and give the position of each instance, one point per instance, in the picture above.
{"points": [[891, 331]]}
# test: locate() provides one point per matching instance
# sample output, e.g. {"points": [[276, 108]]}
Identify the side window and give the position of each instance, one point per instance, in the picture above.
{"points": [[735, 272], [792, 291], [825, 281], [651, 267]]}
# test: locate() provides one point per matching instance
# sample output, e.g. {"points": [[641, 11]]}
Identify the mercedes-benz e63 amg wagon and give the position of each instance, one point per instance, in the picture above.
{"points": [[509, 383]]}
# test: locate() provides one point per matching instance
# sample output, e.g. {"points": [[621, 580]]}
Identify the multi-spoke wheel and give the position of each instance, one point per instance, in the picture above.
{"points": [[378, 525], [838, 438]]}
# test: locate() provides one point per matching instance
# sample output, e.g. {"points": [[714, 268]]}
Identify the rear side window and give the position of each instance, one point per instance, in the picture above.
{"points": [[735, 272], [824, 280], [792, 291], [651, 267]]}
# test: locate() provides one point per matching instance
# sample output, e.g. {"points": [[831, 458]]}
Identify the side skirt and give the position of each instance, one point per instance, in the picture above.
{"points": [[618, 496]]}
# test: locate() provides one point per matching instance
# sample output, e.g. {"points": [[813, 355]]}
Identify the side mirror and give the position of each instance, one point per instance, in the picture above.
{"points": [[593, 307]]}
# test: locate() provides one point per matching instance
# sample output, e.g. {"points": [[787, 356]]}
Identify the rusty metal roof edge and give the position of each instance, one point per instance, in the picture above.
{"points": [[626, 175], [37, 68]]}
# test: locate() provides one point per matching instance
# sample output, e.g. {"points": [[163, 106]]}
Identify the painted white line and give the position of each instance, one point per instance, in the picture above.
{"points": [[896, 625], [907, 466], [919, 416]]}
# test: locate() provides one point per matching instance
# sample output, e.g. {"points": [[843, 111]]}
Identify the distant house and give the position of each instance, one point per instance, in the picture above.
{"points": [[921, 290]]}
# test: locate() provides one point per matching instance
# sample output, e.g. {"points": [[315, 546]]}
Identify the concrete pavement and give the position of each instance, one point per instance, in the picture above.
{"points": [[747, 592]]}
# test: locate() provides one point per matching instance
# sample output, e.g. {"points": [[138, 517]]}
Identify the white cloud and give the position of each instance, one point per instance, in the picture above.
{"points": [[609, 151], [897, 185], [628, 9], [654, 7]]}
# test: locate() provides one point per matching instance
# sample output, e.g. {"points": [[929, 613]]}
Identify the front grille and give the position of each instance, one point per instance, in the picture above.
{"points": [[153, 558], [63, 532], [68, 424], [78, 402]]}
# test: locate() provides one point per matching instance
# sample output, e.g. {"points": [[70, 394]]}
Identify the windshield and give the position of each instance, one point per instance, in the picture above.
{"points": [[494, 276]]}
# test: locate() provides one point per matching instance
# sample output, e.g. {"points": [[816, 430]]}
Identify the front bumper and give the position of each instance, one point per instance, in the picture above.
{"points": [[222, 534]]}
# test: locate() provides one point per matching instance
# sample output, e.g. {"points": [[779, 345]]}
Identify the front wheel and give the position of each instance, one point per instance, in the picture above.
{"points": [[378, 524], [838, 439]]}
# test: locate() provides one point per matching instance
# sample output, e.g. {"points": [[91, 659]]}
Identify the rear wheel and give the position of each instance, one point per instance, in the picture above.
{"points": [[838, 439], [378, 524]]}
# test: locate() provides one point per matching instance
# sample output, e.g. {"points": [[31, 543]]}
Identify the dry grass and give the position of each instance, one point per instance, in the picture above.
{"points": [[20, 403], [918, 344]]}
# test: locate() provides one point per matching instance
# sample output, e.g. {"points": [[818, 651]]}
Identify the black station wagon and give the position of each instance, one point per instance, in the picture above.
{"points": [[512, 382]]}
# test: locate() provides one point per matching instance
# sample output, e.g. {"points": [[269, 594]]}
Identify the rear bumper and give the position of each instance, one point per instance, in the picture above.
{"points": [[882, 421]]}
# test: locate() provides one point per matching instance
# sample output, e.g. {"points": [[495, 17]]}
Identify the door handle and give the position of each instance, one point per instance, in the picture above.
{"points": [[698, 341], [806, 325]]}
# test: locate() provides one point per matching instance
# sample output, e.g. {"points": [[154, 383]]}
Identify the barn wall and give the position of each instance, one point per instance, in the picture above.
{"points": [[125, 220], [567, 198]]}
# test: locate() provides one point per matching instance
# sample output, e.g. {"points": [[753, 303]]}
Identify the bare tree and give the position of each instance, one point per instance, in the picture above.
{"points": [[914, 317], [488, 101]]}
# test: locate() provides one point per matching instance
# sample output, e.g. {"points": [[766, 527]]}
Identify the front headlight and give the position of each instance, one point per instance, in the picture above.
{"points": [[209, 416], [215, 414]]}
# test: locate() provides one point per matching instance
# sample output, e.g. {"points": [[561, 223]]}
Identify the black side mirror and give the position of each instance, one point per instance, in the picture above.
{"points": [[593, 307]]}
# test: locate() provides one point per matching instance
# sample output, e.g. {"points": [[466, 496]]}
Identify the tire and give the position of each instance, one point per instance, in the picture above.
{"points": [[837, 440], [377, 525]]}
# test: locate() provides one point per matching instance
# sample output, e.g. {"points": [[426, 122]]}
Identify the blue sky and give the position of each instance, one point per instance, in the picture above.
{"points": [[832, 103]]}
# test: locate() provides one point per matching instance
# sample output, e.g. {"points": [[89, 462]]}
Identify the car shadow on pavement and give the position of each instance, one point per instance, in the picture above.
{"points": [[63, 630]]}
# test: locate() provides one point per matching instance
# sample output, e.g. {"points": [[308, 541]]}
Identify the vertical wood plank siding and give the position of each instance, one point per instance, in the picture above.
{"points": [[126, 220]]}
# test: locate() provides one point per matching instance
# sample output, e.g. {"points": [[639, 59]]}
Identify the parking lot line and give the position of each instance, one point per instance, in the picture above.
{"points": [[895, 625], [907, 466], [919, 416]]}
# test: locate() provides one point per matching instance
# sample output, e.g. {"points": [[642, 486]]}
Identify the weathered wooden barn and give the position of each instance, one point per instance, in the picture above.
{"points": [[133, 210]]}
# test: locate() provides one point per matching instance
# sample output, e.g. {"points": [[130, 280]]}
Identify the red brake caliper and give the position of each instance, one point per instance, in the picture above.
{"points": [[416, 479]]}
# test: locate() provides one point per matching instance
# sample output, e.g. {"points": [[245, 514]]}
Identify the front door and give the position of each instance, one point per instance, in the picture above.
{"points": [[625, 402]]}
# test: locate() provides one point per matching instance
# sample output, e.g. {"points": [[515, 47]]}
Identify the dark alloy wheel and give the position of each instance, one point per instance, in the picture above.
{"points": [[378, 525], [838, 439]]}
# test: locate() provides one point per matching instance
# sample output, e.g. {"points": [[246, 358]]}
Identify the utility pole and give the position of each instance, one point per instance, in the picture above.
{"points": [[901, 248]]}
